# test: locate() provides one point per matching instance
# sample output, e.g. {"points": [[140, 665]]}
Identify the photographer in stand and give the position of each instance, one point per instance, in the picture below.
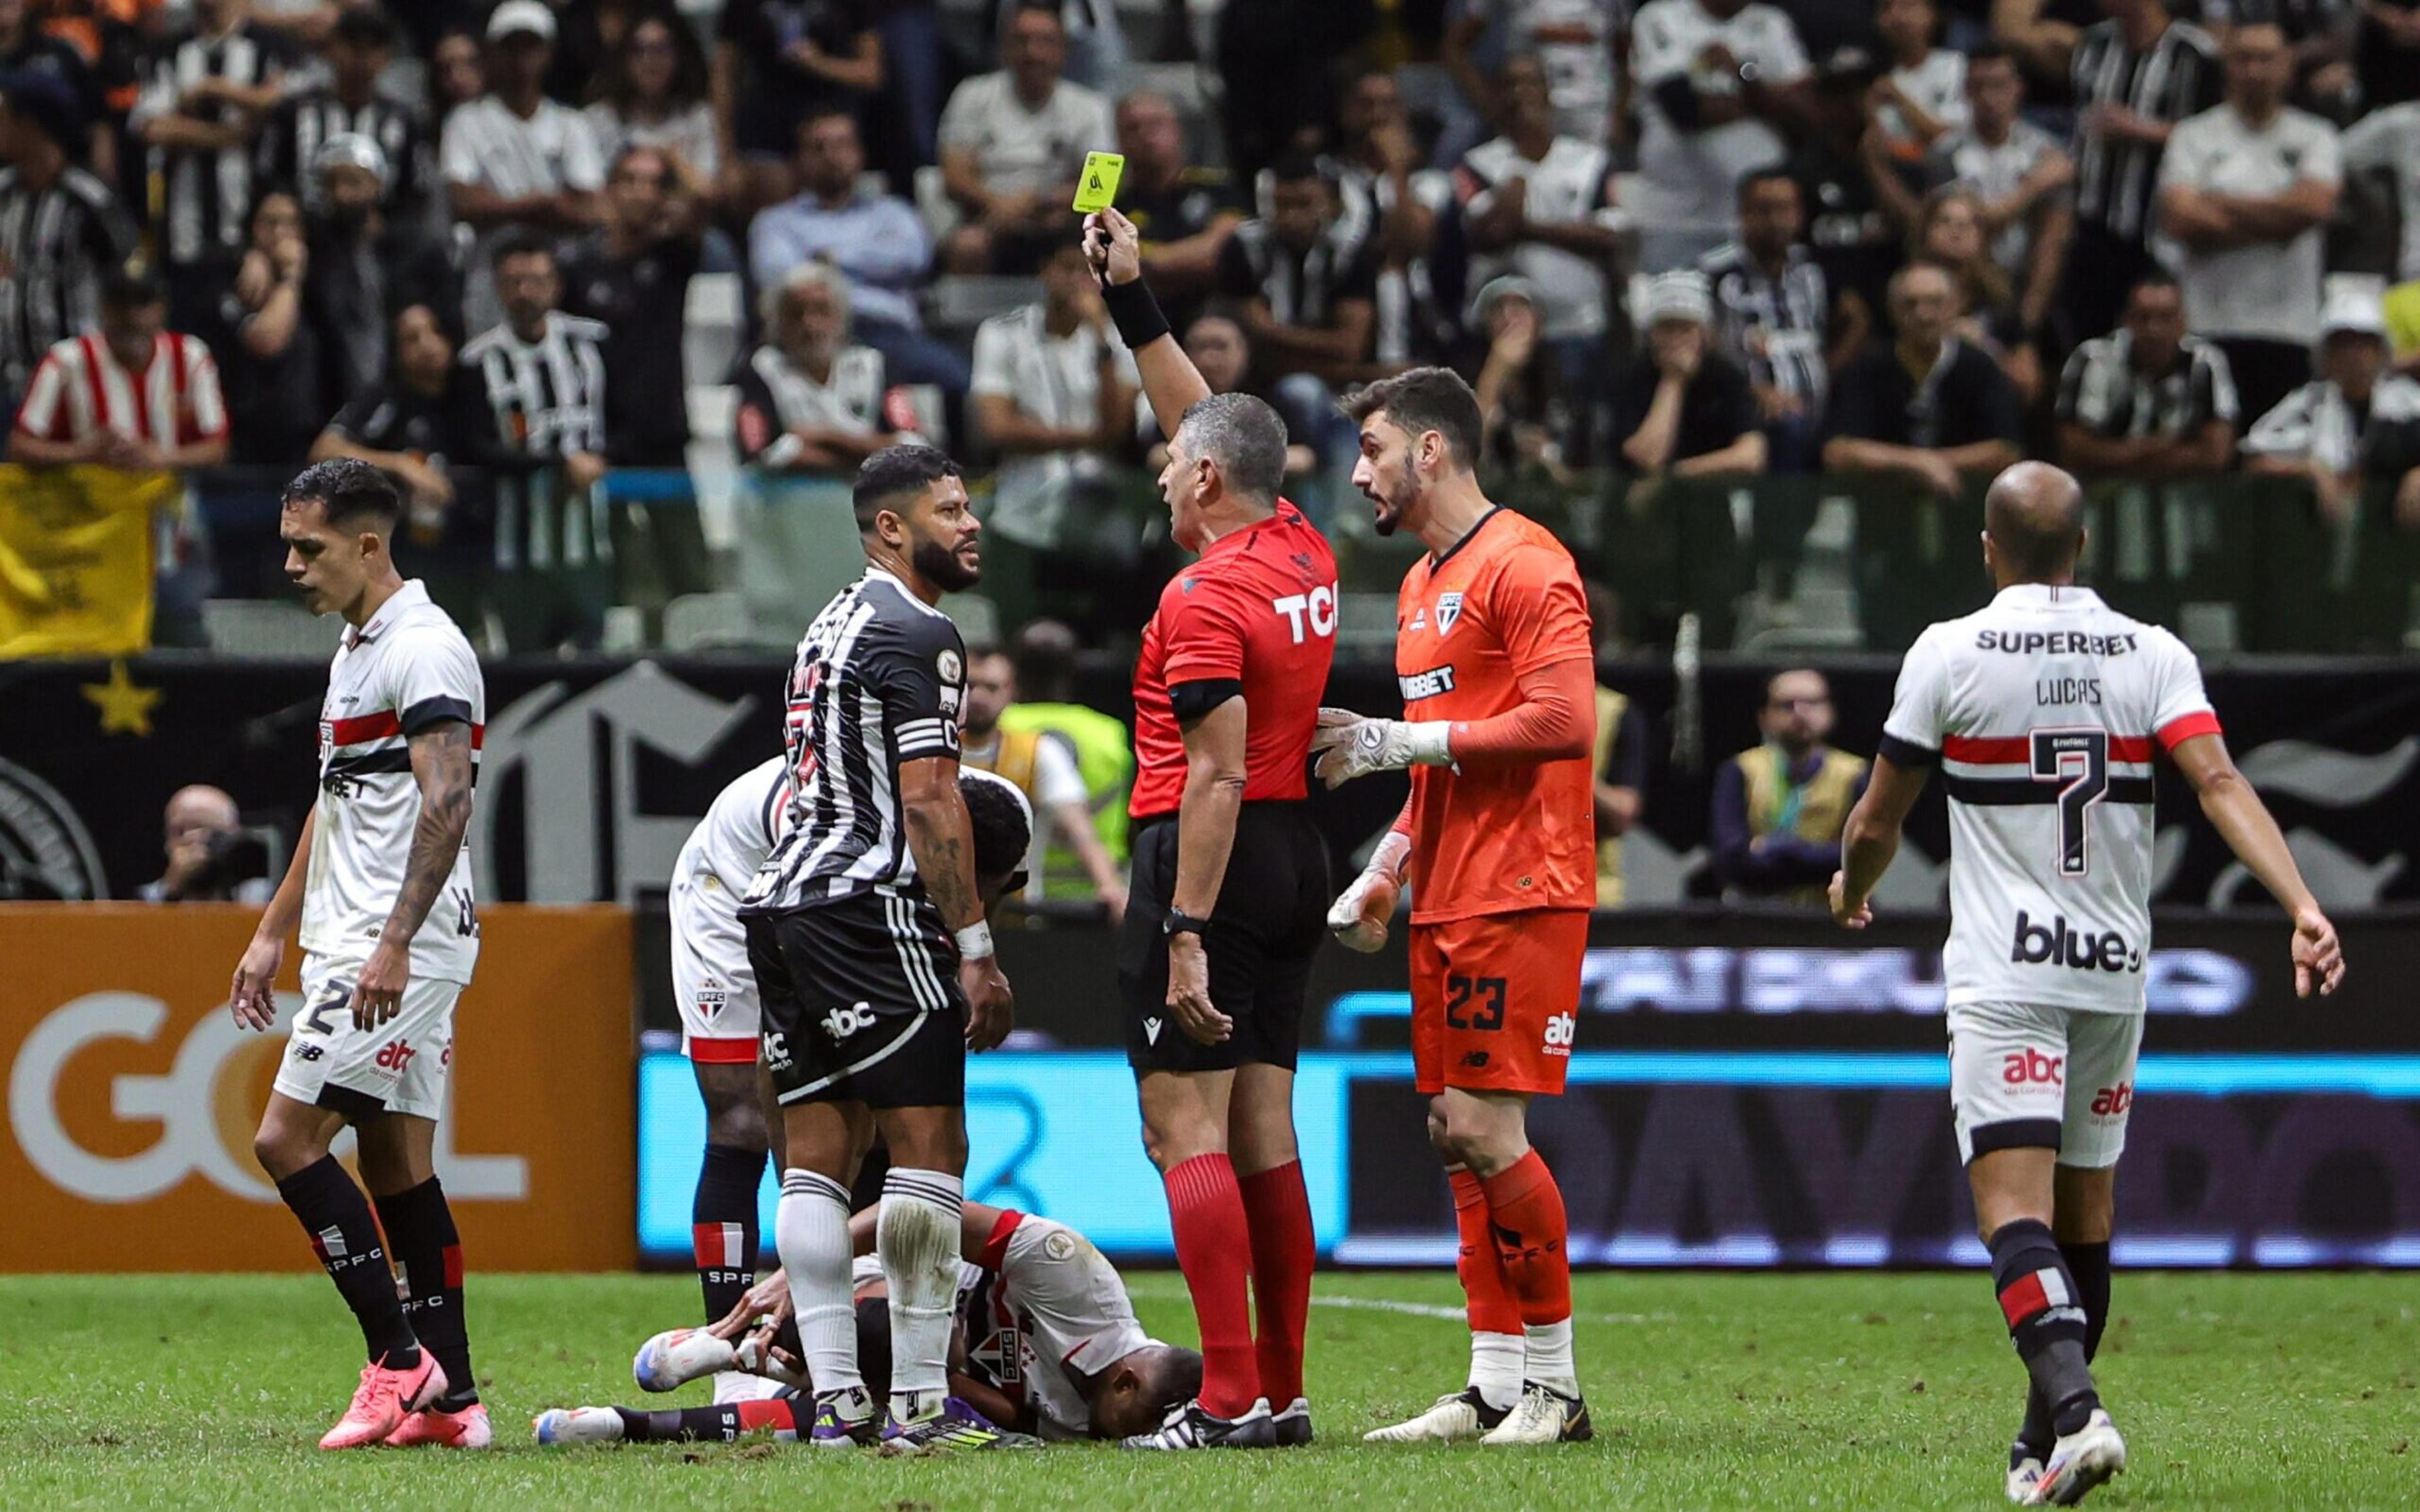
{"points": [[212, 857]]}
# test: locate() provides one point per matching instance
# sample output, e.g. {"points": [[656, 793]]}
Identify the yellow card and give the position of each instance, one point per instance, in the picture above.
{"points": [[1098, 188]]}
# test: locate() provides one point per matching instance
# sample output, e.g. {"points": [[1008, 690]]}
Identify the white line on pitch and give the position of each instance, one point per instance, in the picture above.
{"points": [[1432, 1309]]}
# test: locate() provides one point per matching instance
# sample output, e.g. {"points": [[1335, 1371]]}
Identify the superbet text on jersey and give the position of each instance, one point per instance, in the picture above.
{"points": [[2045, 711]]}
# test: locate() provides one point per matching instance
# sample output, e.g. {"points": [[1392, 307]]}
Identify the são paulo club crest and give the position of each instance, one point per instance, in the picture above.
{"points": [[1448, 611]]}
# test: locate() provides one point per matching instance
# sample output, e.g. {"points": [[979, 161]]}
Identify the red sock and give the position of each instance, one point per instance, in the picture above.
{"points": [[1525, 1213], [1485, 1290], [1284, 1251], [1205, 1208]]}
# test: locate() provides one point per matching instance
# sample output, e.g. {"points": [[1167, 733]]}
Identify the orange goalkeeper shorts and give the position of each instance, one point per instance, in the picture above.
{"points": [[1495, 1000]]}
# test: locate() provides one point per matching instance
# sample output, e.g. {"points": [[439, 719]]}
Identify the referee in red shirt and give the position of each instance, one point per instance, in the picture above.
{"points": [[1228, 896]]}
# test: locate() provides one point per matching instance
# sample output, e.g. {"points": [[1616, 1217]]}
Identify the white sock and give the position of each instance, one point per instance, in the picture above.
{"points": [[919, 1241], [1497, 1361], [810, 1233], [1550, 1356]]}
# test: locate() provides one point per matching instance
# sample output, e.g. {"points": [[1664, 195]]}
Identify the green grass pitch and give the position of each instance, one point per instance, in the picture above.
{"points": [[1805, 1391]]}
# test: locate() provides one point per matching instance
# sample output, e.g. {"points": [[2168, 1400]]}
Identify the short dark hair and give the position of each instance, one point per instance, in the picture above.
{"points": [[131, 285], [363, 27], [519, 242], [2156, 278], [1423, 399], [1047, 7], [1002, 832], [1755, 177], [1045, 662], [1988, 51], [892, 472], [816, 115], [1295, 165], [348, 490], [1243, 435]]}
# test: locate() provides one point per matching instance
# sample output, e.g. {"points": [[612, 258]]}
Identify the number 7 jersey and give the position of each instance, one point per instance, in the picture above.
{"points": [[2045, 711]]}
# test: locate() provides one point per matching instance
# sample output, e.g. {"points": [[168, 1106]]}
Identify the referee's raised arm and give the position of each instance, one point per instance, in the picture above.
{"points": [[1169, 379]]}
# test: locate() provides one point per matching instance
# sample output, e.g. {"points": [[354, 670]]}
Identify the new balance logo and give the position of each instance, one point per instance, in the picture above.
{"points": [[2055, 944], [843, 1022], [1150, 1031]]}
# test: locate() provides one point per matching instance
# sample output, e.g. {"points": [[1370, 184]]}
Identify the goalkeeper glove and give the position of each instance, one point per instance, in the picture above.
{"points": [[1359, 914], [1353, 745]]}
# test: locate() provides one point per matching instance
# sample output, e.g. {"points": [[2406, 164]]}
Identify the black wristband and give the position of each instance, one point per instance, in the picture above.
{"points": [[1137, 314]]}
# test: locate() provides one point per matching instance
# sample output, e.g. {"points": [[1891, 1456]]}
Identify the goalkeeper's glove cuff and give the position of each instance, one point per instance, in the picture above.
{"points": [[1428, 743]]}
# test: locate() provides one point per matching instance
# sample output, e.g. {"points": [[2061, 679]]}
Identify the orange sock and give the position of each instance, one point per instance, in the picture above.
{"points": [[1525, 1218], [1486, 1293]]}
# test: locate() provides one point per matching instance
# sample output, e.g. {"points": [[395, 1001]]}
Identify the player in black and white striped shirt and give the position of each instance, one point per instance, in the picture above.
{"points": [[866, 937], [2136, 76]]}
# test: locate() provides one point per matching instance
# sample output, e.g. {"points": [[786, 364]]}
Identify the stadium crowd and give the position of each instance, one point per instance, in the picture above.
{"points": [[1702, 238]]}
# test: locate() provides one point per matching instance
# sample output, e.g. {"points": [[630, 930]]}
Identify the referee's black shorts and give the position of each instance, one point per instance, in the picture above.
{"points": [[1271, 915]]}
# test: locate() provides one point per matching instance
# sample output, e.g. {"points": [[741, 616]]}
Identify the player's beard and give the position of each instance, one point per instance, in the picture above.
{"points": [[1393, 503], [938, 563]]}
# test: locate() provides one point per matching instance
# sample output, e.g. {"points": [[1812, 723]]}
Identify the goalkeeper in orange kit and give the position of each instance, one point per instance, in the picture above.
{"points": [[1499, 843]]}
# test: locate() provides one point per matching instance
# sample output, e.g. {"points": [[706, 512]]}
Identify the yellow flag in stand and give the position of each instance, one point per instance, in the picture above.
{"points": [[76, 560]]}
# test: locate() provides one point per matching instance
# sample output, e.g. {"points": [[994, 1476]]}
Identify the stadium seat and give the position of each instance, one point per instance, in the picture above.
{"points": [[694, 622], [713, 327], [266, 629]]}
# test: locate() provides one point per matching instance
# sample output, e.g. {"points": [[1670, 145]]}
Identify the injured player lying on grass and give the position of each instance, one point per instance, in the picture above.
{"points": [[1044, 1343]]}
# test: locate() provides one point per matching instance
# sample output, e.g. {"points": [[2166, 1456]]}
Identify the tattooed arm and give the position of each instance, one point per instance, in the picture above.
{"points": [[440, 764], [941, 838]]}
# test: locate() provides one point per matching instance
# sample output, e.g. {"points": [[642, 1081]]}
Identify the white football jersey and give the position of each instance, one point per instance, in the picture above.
{"points": [[2045, 710], [721, 856], [406, 669], [1055, 1310]]}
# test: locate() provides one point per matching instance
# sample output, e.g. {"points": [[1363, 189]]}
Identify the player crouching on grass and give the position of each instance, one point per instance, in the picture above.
{"points": [[2045, 711], [382, 885], [1499, 843], [1044, 1342]]}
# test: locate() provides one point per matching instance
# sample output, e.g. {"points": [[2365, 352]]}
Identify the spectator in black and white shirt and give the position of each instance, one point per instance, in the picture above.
{"points": [[2147, 400], [2136, 76], [1718, 84], [1922, 96], [2354, 425], [513, 159], [1307, 284], [1392, 198], [1772, 308], [2248, 187], [61, 231], [358, 50], [2021, 175], [543, 374], [1540, 205], [810, 403], [199, 114], [1574, 40]]}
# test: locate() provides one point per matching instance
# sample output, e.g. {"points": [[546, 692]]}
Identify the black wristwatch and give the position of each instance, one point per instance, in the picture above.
{"points": [[1180, 922]]}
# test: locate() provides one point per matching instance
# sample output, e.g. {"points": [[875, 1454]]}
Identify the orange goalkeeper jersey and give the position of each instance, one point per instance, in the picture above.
{"points": [[1504, 601]]}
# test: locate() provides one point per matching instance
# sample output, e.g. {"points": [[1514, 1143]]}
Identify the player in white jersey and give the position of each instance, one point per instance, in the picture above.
{"points": [[714, 991], [2044, 712], [1045, 1342], [381, 885]]}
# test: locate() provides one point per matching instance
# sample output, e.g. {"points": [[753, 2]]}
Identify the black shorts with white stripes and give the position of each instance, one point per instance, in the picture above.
{"points": [[860, 1003]]}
